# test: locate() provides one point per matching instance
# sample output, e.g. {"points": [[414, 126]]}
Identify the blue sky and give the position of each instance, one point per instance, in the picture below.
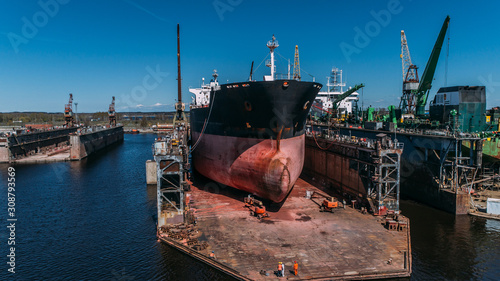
{"points": [[127, 48]]}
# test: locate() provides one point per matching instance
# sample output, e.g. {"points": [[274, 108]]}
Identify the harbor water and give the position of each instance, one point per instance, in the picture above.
{"points": [[95, 220]]}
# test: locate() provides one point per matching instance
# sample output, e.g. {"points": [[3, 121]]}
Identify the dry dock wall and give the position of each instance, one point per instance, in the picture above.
{"points": [[338, 166], [13, 146], [82, 145], [420, 169]]}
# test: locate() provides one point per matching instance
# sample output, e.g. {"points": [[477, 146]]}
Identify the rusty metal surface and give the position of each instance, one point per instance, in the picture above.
{"points": [[169, 165], [253, 165], [351, 167], [343, 245]]}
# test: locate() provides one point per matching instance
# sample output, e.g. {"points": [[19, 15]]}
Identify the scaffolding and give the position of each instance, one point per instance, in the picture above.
{"points": [[458, 172], [171, 156], [386, 177], [366, 169]]}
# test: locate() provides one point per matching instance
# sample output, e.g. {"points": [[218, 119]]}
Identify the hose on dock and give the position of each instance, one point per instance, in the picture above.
{"points": [[314, 136]]}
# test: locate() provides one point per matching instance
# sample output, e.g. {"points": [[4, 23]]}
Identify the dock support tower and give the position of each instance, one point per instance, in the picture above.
{"points": [[387, 175], [171, 156]]}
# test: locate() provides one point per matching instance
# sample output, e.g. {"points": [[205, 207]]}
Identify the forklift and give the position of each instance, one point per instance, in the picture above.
{"points": [[328, 204], [256, 207]]}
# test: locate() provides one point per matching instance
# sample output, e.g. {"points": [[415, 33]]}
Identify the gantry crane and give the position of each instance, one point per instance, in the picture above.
{"points": [[410, 78], [414, 98], [296, 64], [68, 113], [112, 113]]}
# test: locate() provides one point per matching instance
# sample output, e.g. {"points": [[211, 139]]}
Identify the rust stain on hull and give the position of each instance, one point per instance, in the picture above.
{"points": [[265, 168]]}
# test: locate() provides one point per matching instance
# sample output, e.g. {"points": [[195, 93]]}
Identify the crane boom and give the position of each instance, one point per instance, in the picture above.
{"points": [[405, 54], [346, 94], [426, 81], [320, 108], [251, 72], [410, 78]]}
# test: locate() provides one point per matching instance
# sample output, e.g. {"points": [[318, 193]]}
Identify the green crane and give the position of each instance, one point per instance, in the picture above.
{"points": [[422, 93], [344, 95]]}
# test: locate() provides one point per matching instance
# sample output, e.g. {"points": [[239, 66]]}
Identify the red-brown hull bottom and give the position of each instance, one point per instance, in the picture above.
{"points": [[252, 165]]}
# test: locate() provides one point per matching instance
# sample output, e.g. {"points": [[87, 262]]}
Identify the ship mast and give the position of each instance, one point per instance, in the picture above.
{"points": [[272, 44]]}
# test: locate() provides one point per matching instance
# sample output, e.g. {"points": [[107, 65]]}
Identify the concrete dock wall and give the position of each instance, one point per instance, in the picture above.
{"points": [[4, 154], [83, 145], [151, 177]]}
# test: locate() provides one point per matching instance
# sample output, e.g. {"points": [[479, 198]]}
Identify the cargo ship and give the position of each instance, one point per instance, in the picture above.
{"points": [[250, 135]]}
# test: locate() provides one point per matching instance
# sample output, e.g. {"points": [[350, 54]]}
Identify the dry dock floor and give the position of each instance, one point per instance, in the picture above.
{"points": [[341, 245], [481, 200]]}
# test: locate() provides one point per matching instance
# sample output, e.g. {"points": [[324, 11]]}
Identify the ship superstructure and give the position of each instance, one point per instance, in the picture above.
{"points": [[334, 88]]}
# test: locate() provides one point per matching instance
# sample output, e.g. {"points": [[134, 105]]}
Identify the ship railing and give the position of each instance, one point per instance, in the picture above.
{"points": [[199, 106], [399, 145], [280, 76], [284, 76]]}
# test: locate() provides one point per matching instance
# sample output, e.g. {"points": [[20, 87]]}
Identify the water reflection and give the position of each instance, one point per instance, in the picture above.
{"points": [[94, 220], [449, 247]]}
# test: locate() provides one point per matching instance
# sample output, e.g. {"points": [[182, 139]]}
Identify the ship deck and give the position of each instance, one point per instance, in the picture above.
{"points": [[343, 245]]}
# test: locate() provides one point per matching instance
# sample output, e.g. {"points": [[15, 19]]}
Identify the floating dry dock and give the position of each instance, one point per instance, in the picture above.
{"points": [[58, 145], [203, 216], [344, 245], [435, 169]]}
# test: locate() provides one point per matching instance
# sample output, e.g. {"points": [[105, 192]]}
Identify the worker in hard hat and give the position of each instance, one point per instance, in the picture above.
{"points": [[212, 255], [280, 269], [295, 268]]}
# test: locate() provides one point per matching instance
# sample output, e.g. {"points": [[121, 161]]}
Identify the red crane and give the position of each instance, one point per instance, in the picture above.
{"points": [[68, 113], [112, 113]]}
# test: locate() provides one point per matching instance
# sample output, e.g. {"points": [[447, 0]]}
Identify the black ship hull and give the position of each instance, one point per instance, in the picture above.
{"points": [[251, 136]]}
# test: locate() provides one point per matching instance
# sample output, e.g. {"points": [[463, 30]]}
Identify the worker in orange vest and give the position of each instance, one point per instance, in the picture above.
{"points": [[296, 268], [280, 269], [212, 255]]}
